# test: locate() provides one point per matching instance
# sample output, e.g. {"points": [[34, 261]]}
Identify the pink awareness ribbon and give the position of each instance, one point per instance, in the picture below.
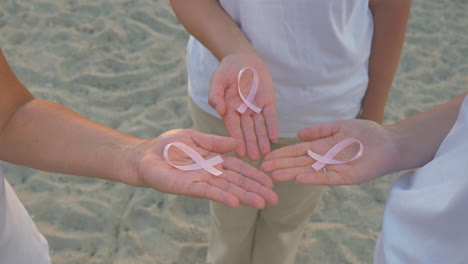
{"points": [[200, 162], [253, 90], [321, 161]]}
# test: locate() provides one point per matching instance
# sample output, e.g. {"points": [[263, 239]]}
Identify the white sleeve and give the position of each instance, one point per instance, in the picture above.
{"points": [[20, 241]]}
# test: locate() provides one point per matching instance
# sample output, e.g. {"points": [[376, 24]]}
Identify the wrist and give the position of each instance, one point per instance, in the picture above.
{"points": [[131, 157], [244, 54], [396, 156], [375, 116], [245, 50], [245, 58]]}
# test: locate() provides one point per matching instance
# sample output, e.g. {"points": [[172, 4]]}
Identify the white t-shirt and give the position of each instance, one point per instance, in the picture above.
{"points": [[317, 52], [426, 217], [20, 241]]}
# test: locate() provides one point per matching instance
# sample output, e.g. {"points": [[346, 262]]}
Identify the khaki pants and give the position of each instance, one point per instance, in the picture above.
{"points": [[246, 235]]}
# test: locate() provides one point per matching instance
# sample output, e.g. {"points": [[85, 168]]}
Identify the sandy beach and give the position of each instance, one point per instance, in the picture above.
{"points": [[122, 64]]}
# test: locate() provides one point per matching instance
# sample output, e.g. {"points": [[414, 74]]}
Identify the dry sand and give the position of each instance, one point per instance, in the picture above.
{"points": [[122, 64]]}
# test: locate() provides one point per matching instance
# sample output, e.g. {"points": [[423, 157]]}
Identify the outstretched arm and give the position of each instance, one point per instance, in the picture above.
{"points": [[207, 21], [50, 137], [410, 143], [418, 138]]}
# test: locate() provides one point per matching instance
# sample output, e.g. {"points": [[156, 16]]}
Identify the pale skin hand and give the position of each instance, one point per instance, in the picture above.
{"points": [[407, 144], [208, 22], [252, 131], [292, 162], [239, 183]]}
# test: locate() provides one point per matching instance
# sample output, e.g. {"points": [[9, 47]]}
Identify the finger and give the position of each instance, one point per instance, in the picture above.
{"points": [[290, 151], [290, 173], [251, 186], [248, 131], [262, 134], [214, 143], [247, 198], [269, 114], [244, 169], [218, 86], [330, 178], [204, 190], [233, 127], [285, 163], [317, 131]]}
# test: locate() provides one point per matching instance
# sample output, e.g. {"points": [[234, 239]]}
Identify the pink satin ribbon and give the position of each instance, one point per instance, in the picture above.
{"points": [[253, 90], [200, 162], [321, 161]]}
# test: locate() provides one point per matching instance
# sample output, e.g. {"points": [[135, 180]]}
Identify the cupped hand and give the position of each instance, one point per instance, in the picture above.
{"points": [[252, 131], [239, 183], [293, 163]]}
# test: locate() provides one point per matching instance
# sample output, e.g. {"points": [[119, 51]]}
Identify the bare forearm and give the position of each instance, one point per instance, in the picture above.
{"points": [[390, 20], [418, 138], [207, 21], [50, 137]]}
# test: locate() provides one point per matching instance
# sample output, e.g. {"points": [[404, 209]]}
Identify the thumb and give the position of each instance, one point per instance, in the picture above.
{"points": [[216, 96], [317, 131], [214, 143]]}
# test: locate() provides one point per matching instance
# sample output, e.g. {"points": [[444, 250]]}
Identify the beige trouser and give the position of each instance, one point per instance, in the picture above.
{"points": [[245, 235]]}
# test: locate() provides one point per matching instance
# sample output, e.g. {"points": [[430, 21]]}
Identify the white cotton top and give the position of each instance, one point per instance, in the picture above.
{"points": [[426, 217], [20, 241], [317, 52]]}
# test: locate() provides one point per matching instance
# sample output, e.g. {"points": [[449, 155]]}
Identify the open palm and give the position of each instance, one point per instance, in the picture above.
{"points": [[239, 183], [253, 131], [293, 163]]}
